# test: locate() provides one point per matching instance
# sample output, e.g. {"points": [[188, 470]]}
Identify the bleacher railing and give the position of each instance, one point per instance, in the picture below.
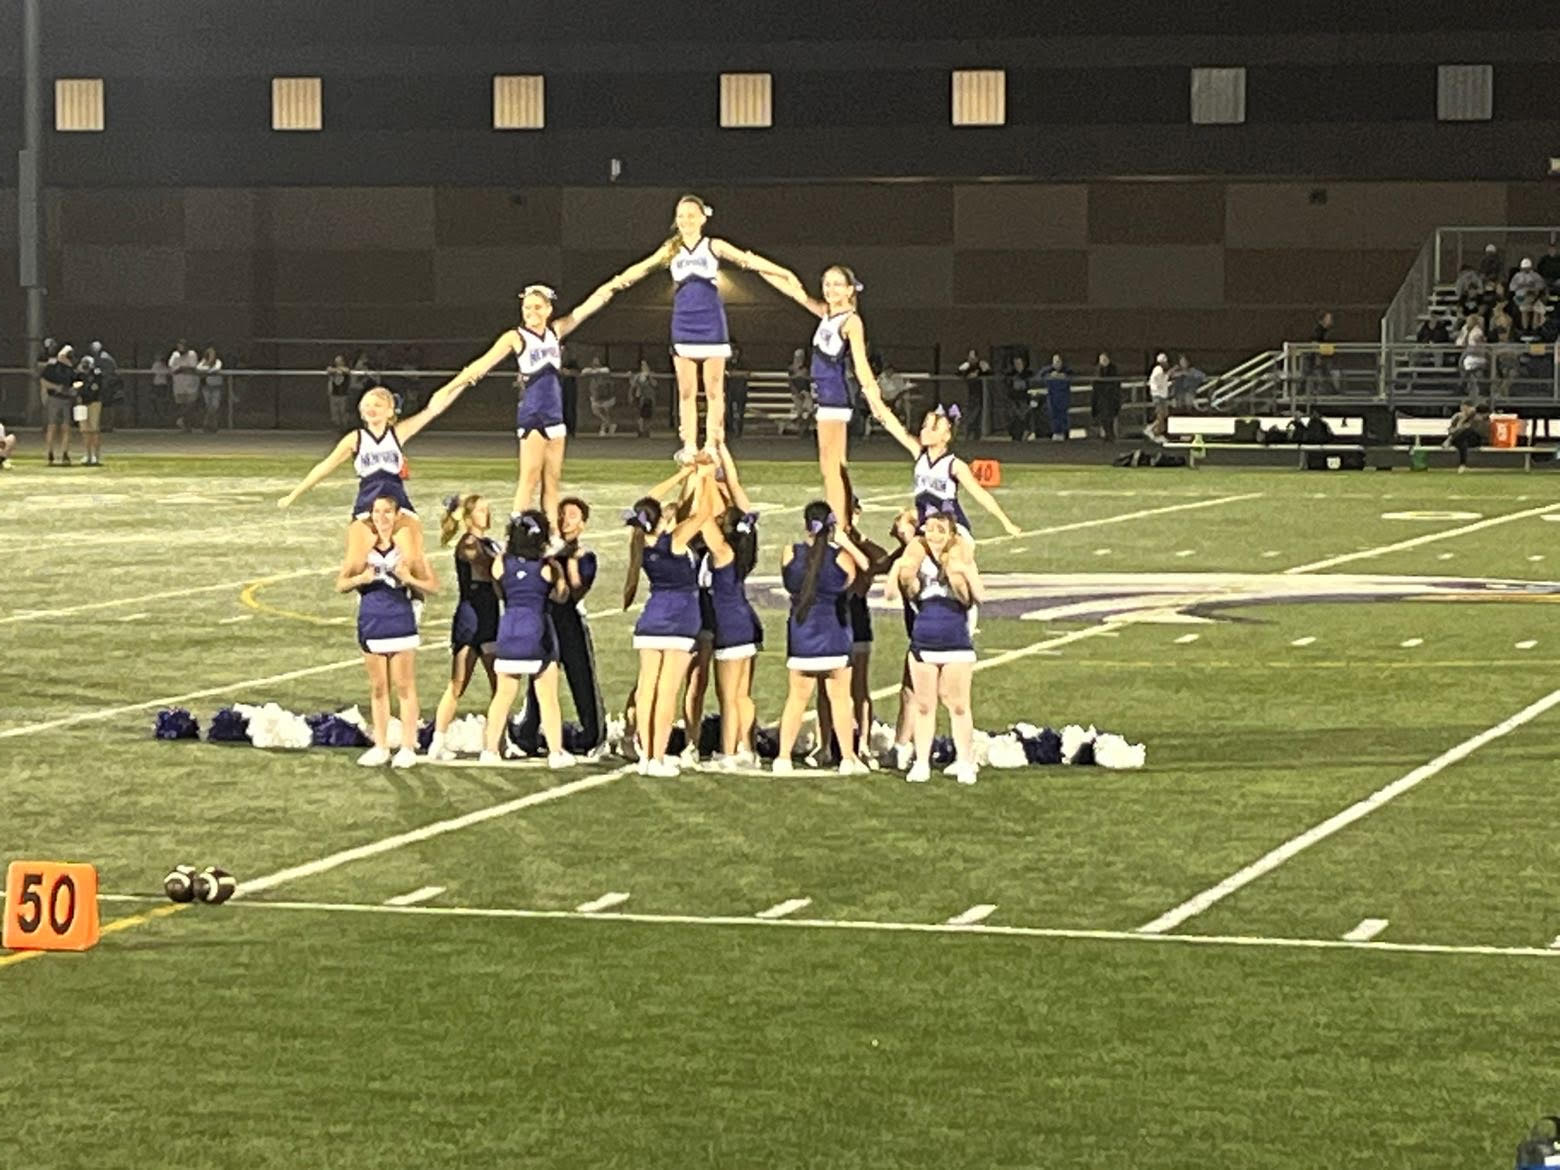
{"points": [[1442, 256]]}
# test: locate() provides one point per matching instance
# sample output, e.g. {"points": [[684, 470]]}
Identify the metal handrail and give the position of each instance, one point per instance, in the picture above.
{"points": [[1252, 374]]}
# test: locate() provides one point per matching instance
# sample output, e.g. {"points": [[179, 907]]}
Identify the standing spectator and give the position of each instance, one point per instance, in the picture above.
{"points": [[7, 445], [1185, 380], [1105, 402], [58, 385], [736, 394], [895, 388], [1475, 358], [641, 391], [1020, 422], [360, 379], [976, 373], [1492, 265], [799, 378], [1468, 286], [112, 385], [162, 399], [337, 376], [569, 380], [1549, 267], [1470, 427], [45, 356], [1321, 366], [186, 380], [1528, 289], [1058, 398], [1159, 398], [599, 393], [88, 410], [210, 368]]}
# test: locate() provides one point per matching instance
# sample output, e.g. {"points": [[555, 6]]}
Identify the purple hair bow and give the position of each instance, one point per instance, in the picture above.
{"points": [[637, 519], [451, 503], [748, 522], [950, 412]]}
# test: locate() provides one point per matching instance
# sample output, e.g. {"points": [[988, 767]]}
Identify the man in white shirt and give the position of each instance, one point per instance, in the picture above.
{"points": [[1528, 289], [1159, 398], [186, 380]]}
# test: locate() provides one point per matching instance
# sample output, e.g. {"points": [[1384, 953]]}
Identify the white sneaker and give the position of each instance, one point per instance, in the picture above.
{"points": [[375, 757], [743, 758], [490, 758], [561, 760], [782, 767], [853, 768], [405, 758], [904, 756], [919, 773], [441, 754], [643, 766], [965, 773], [690, 756], [512, 750], [663, 769]]}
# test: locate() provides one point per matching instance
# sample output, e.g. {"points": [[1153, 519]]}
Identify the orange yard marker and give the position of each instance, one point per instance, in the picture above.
{"points": [[50, 906], [987, 472]]}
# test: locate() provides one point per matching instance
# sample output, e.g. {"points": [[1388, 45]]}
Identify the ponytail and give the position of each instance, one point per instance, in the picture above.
{"points": [[642, 518], [741, 532], [820, 523], [457, 510]]}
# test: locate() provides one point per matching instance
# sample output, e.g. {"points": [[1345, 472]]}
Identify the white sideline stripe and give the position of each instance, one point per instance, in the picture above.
{"points": [[1526, 645], [243, 617], [1186, 639], [1125, 936], [1360, 808], [973, 915], [1306, 641], [789, 906], [436, 829], [606, 901], [1427, 538], [1186, 552], [1100, 521], [133, 617], [170, 700], [1368, 929], [1102, 552], [29, 614], [421, 894], [1449, 556]]}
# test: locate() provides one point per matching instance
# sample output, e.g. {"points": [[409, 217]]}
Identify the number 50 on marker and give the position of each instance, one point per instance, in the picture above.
{"points": [[49, 906]]}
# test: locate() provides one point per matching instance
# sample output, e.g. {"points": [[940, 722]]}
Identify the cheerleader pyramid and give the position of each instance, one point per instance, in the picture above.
{"points": [[693, 538]]}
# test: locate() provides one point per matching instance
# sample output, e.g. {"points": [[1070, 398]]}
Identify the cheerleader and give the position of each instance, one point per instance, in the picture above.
{"points": [[375, 449], [700, 339], [939, 474], [387, 628], [879, 561], [817, 572], [731, 535], [526, 645], [576, 649], [904, 533], [839, 368], [474, 628], [939, 572], [667, 631], [537, 344]]}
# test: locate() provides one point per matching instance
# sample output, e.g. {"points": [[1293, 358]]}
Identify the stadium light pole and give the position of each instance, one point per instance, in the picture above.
{"points": [[29, 176]]}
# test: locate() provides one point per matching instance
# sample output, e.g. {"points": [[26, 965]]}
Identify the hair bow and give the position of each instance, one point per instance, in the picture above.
{"points": [[748, 522], [948, 508], [707, 209], [529, 523], [817, 526], [542, 291], [950, 412], [451, 503], [856, 284], [637, 519]]}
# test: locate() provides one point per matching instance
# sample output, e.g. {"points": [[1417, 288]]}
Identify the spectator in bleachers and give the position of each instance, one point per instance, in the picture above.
{"points": [[1470, 427], [1475, 356], [161, 396], [1021, 423], [1468, 286], [186, 381], [569, 381], [1159, 398], [211, 384], [895, 388], [360, 379], [1185, 381], [1492, 265], [1058, 398], [799, 378], [1105, 401], [1549, 267], [1320, 366], [1528, 290], [57, 383], [736, 394], [600, 394], [336, 377], [641, 391]]}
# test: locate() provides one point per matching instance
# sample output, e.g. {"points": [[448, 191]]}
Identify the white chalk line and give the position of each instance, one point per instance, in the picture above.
{"points": [[27, 615], [1427, 538], [1122, 517], [1359, 809], [421, 894], [979, 928]]}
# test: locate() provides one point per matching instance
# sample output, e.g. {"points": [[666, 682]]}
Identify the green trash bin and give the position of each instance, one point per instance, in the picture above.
{"points": [[1419, 459]]}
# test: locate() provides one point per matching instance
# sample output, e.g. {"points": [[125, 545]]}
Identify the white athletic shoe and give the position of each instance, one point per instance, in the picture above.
{"points": [[375, 757], [965, 773], [853, 768], [643, 766], [561, 760], [782, 767], [665, 768], [405, 758], [919, 773], [441, 754], [490, 758], [904, 756], [690, 756], [742, 758]]}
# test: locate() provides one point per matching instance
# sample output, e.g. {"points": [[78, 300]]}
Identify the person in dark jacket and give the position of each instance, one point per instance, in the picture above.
{"points": [[1105, 402], [1058, 397]]}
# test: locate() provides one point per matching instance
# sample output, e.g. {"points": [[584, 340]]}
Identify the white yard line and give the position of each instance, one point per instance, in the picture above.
{"points": [[1122, 517], [1306, 641], [436, 829], [752, 921], [1368, 929], [24, 615], [421, 894], [1427, 538], [974, 914], [170, 700], [605, 902], [1361, 808], [789, 906]]}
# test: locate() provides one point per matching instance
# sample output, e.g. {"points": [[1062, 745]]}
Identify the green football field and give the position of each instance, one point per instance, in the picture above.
{"points": [[1314, 931]]}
